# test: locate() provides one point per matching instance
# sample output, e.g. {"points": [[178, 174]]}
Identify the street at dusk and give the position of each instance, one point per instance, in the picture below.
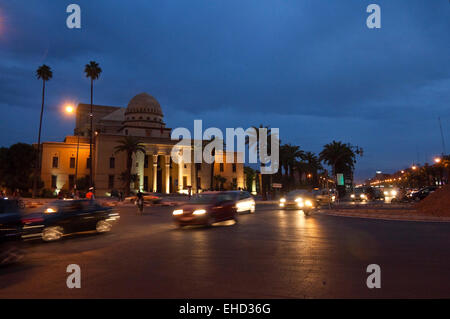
{"points": [[269, 254], [224, 158]]}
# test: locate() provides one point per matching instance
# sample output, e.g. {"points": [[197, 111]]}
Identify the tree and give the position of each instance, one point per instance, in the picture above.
{"points": [[92, 71], [312, 166], [43, 73], [129, 145], [289, 157], [265, 181], [17, 166], [341, 157], [220, 181], [250, 176]]}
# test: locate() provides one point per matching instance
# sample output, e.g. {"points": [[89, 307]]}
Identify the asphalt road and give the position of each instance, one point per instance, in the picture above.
{"points": [[270, 254]]}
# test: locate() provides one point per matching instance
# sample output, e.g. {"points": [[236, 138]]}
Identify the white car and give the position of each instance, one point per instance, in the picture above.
{"points": [[245, 202]]}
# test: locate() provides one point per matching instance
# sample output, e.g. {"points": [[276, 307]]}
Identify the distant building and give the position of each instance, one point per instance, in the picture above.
{"points": [[155, 170]]}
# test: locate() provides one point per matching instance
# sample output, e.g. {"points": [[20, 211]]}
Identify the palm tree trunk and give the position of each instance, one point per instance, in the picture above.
{"points": [[38, 160], [90, 138]]}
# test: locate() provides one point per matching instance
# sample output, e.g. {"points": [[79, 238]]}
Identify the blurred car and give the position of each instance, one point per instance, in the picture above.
{"points": [[390, 194], [10, 231], [299, 199], [153, 198], [324, 196], [208, 208], [245, 202], [64, 217], [422, 193], [359, 194]]}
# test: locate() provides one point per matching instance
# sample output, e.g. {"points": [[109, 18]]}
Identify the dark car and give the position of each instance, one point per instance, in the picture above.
{"points": [[10, 231], [207, 208], [422, 193], [64, 217]]}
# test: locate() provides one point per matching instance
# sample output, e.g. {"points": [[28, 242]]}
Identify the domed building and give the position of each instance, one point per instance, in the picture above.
{"points": [[64, 163]]}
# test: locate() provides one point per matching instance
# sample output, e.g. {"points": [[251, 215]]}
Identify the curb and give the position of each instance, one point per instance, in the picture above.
{"points": [[387, 216]]}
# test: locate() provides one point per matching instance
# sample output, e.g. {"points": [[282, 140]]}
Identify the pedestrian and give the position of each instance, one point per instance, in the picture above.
{"points": [[140, 201], [90, 193]]}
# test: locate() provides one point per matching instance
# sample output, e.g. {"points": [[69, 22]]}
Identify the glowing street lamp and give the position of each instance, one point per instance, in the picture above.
{"points": [[69, 109], [437, 160], [414, 167]]}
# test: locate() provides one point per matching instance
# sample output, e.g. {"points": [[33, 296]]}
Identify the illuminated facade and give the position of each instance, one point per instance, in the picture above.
{"points": [[155, 170]]}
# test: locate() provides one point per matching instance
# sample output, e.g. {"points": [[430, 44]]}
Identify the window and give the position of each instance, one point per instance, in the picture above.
{"points": [[137, 164], [71, 181], [112, 162], [88, 162], [198, 166], [199, 182], [111, 181], [234, 182], [55, 162], [72, 162], [126, 132], [184, 182], [54, 180], [234, 167], [221, 167], [146, 161]]}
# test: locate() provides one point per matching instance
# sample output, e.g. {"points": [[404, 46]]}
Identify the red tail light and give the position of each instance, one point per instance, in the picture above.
{"points": [[32, 220]]}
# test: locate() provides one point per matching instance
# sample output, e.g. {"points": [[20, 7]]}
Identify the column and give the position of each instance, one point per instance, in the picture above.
{"points": [[167, 161], [155, 172], [180, 173]]}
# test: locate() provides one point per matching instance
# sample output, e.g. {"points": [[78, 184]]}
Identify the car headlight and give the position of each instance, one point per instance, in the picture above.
{"points": [[308, 203], [352, 195], [334, 197], [50, 210], [362, 196], [394, 193], [199, 212], [299, 199], [386, 193], [282, 200], [177, 212]]}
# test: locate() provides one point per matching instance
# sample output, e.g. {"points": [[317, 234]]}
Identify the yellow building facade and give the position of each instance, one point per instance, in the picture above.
{"points": [[65, 162]]}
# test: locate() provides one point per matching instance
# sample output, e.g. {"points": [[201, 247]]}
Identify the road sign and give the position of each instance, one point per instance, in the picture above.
{"points": [[340, 179]]}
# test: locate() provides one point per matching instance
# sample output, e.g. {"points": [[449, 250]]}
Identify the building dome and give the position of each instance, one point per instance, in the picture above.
{"points": [[145, 104]]}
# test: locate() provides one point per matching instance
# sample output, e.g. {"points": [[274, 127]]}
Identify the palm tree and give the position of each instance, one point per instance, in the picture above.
{"points": [[92, 71], [220, 181], [289, 156], [313, 165], [341, 157], [130, 145], [265, 185], [43, 73]]}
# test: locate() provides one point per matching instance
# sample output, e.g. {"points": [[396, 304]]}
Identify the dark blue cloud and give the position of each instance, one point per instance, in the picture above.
{"points": [[311, 68]]}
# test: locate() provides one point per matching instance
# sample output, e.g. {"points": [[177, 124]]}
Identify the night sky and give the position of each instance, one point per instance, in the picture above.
{"points": [[310, 67]]}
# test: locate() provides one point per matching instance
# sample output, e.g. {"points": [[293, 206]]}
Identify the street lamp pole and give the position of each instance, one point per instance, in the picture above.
{"points": [[76, 160]]}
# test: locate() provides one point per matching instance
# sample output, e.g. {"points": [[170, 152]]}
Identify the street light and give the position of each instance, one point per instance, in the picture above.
{"points": [[414, 167], [69, 109], [437, 160]]}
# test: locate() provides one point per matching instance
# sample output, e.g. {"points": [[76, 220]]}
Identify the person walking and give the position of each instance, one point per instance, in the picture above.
{"points": [[90, 194], [140, 202]]}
